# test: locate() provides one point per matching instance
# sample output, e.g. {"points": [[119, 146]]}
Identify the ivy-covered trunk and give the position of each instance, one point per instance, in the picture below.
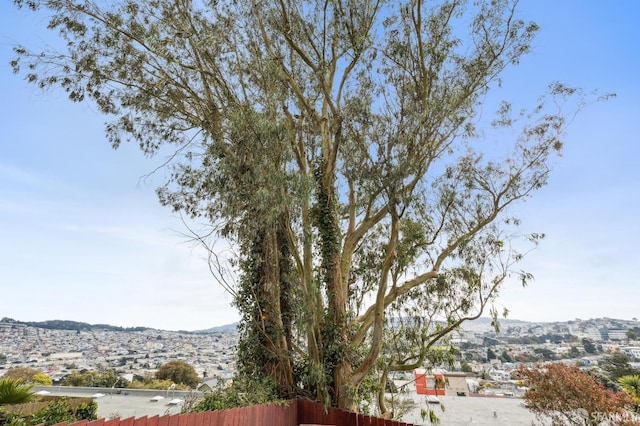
{"points": [[335, 359], [265, 302]]}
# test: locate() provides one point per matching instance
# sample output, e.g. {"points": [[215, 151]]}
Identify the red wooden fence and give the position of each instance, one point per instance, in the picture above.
{"points": [[293, 413]]}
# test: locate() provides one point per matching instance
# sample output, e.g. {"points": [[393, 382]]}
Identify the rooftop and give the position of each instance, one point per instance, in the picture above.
{"points": [[125, 403]]}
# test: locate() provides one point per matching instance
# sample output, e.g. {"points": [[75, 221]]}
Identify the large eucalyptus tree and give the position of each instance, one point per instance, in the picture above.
{"points": [[334, 145]]}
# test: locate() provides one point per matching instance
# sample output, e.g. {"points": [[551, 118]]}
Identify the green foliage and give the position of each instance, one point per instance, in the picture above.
{"points": [[617, 365], [574, 352], [528, 358], [100, 379], [491, 354], [506, 357], [547, 354], [238, 394], [430, 415], [265, 331], [631, 385], [553, 338], [150, 383], [25, 374], [15, 392], [588, 345], [42, 379], [603, 379], [179, 372], [59, 410]]}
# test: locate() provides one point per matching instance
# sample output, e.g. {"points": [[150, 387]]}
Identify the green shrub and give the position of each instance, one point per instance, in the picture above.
{"points": [[237, 394], [55, 411], [156, 384], [15, 392]]}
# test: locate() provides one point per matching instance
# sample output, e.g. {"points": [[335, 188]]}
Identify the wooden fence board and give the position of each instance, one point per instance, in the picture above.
{"points": [[163, 420], [112, 422], [185, 419], [174, 420], [128, 421], [198, 419], [153, 420], [230, 417], [220, 418], [209, 418]]}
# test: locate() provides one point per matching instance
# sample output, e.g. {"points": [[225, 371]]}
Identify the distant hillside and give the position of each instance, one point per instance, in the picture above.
{"points": [[479, 325], [221, 329], [71, 325], [83, 326], [484, 324]]}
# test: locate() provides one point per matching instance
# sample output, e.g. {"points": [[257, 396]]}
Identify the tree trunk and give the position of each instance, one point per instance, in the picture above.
{"points": [[267, 333], [335, 337], [276, 315]]}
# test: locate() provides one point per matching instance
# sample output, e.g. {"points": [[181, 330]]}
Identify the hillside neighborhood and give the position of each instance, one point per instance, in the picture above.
{"points": [[59, 352], [479, 349]]}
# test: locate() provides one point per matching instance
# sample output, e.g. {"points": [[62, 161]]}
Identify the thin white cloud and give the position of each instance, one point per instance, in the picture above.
{"points": [[126, 233], [15, 175]]}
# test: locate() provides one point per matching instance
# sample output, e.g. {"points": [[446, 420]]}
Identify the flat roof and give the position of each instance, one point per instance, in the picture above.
{"points": [[474, 410], [125, 403]]}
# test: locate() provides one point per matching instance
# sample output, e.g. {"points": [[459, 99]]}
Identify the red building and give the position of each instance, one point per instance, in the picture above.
{"points": [[429, 384], [441, 384]]}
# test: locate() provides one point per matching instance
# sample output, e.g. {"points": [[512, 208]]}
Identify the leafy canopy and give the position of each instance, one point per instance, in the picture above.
{"points": [[24, 374], [179, 372]]}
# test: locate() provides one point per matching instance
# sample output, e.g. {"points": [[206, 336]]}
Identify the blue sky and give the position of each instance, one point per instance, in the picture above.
{"points": [[82, 236]]}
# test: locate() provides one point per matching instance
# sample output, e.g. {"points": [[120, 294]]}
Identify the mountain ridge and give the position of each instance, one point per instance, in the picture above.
{"points": [[58, 324], [83, 326]]}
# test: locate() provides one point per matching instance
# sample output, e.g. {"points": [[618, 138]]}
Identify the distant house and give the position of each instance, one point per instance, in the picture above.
{"points": [[456, 384], [208, 385], [617, 334], [213, 383], [585, 361], [440, 384], [499, 375], [631, 351], [64, 356]]}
